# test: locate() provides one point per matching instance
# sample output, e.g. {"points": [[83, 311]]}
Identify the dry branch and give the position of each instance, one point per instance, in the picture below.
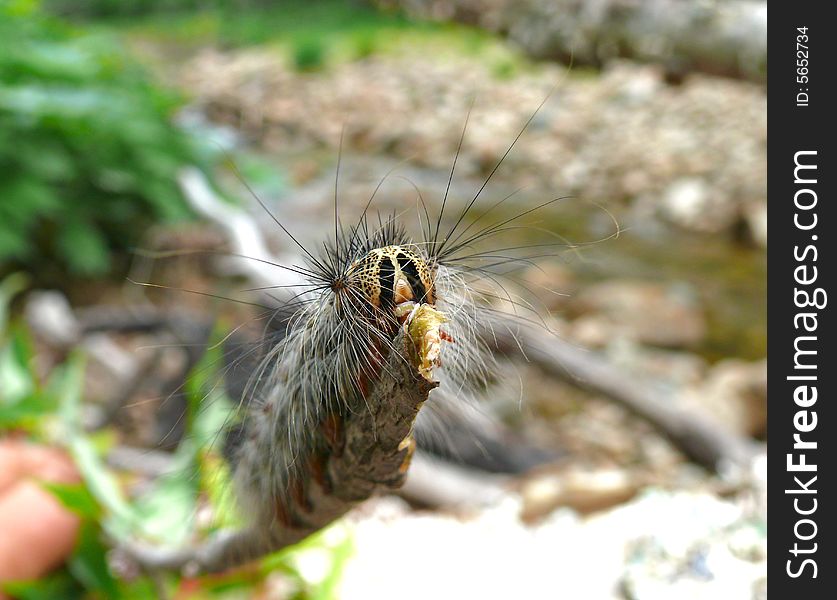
{"points": [[705, 441], [439, 484]]}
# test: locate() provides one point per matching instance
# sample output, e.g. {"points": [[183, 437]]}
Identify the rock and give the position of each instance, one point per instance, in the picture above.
{"points": [[725, 561], [692, 204], [671, 368], [697, 152], [645, 312], [755, 216], [51, 318], [704, 570], [701, 546], [584, 491], [593, 331], [734, 392]]}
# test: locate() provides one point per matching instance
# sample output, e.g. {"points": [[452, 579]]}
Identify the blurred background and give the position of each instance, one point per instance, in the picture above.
{"points": [[118, 117]]}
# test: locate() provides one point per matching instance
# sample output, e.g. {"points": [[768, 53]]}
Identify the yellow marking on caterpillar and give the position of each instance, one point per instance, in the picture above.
{"points": [[408, 444], [366, 274], [423, 326]]}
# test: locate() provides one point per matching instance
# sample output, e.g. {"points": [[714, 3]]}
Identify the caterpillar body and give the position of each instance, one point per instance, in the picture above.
{"points": [[333, 352], [381, 319]]}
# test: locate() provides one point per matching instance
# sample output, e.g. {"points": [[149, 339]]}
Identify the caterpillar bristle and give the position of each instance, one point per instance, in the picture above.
{"points": [[336, 338]]}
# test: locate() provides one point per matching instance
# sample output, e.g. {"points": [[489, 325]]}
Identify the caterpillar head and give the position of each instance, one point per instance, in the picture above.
{"points": [[392, 275], [398, 280]]}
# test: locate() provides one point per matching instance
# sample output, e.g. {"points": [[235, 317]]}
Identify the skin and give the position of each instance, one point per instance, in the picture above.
{"points": [[36, 533]]}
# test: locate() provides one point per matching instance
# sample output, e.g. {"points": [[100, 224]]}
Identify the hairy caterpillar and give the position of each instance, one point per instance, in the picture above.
{"points": [[332, 404]]}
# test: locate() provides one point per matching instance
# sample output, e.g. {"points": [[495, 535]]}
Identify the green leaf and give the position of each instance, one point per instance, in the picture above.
{"points": [[82, 126], [22, 405], [340, 555], [84, 246], [121, 519], [15, 380], [89, 565], [167, 509], [74, 497], [56, 585], [27, 413], [216, 481], [10, 287]]}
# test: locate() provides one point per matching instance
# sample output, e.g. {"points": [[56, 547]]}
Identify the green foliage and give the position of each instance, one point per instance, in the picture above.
{"points": [[365, 45], [88, 155], [344, 28], [104, 8], [57, 585], [504, 69], [164, 512], [23, 401], [308, 55], [76, 498]]}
